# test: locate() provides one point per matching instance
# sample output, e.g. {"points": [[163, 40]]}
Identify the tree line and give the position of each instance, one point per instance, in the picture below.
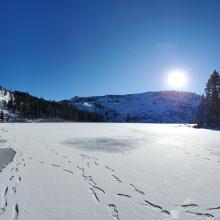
{"points": [[209, 109], [30, 107]]}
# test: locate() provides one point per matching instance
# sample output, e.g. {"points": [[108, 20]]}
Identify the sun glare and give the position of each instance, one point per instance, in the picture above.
{"points": [[177, 79]]}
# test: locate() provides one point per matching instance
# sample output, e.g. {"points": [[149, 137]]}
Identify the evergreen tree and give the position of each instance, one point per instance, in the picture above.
{"points": [[209, 109], [2, 116]]}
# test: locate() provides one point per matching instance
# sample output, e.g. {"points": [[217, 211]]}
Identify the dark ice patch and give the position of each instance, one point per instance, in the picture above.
{"points": [[6, 156]]}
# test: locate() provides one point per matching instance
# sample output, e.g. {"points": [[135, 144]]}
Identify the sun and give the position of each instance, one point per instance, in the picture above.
{"points": [[177, 79]]}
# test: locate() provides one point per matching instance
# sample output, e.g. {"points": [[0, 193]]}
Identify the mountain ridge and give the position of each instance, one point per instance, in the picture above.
{"points": [[159, 106], [148, 107]]}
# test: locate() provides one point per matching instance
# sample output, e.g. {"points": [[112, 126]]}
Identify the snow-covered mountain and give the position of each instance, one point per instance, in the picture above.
{"points": [[159, 107], [155, 107]]}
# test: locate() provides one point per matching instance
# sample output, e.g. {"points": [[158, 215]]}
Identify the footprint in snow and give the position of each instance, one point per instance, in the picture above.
{"points": [[113, 211], [54, 165], [109, 168], [4, 201], [13, 189], [68, 171], [116, 178], [137, 190], [123, 195], [92, 191], [192, 205], [15, 213], [207, 215], [215, 208]]}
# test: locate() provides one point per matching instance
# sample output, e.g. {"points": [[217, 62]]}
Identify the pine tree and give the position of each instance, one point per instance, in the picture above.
{"points": [[2, 116], [209, 109], [202, 112]]}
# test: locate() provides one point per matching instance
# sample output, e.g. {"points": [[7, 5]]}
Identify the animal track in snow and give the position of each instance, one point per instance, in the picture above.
{"points": [[124, 195], [137, 190], [15, 212], [189, 205], [98, 188], [5, 192], [91, 181], [3, 206], [68, 171], [54, 165], [13, 189], [80, 168], [113, 211], [4, 201], [154, 205], [208, 215], [163, 211], [109, 168], [215, 208], [94, 194], [116, 178], [82, 172]]}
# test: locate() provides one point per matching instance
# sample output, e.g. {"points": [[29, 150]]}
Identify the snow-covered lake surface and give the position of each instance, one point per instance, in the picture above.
{"points": [[110, 171]]}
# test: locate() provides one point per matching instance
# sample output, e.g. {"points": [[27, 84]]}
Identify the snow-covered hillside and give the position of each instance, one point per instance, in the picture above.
{"points": [[106, 171], [5, 96], [165, 106]]}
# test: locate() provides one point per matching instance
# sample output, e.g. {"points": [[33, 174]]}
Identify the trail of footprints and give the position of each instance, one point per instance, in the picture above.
{"points": [[11, 189], [95, 190], [197, 155]]}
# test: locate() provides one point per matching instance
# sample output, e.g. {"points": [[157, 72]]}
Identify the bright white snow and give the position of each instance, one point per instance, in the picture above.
{"points": [[110, 171]]}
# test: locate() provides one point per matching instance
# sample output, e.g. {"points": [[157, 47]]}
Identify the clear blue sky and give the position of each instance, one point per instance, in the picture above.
{"points": [[61, 48]]}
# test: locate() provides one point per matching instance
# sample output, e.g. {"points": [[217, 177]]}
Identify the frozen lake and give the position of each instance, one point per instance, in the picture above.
{"points": [[109, 171]]}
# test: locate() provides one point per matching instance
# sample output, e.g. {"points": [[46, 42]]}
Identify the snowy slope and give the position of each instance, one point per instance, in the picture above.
{"points": [[166, 106], [5, 97], [110, 172]]}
